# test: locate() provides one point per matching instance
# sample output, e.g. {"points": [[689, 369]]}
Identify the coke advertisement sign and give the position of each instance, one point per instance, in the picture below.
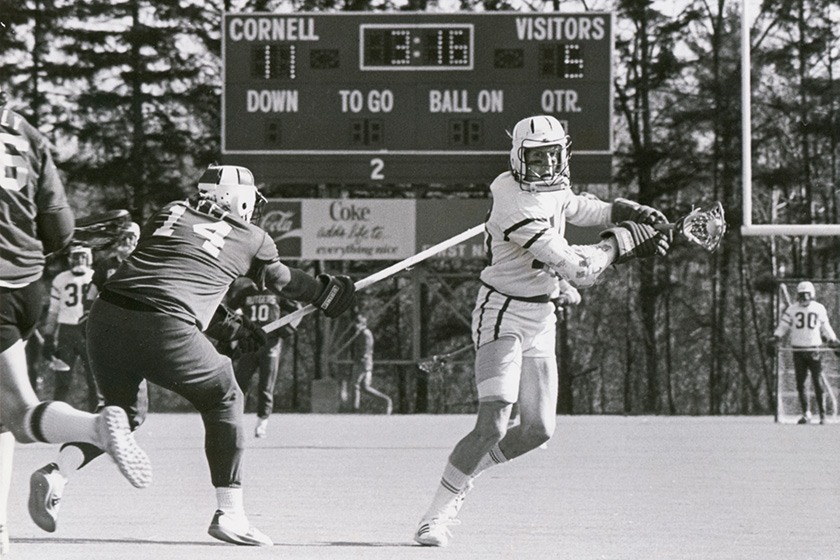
{"points": [[283, 221]]}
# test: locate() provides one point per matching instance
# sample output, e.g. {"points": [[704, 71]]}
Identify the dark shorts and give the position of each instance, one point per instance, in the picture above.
{"points": [[20, 311]]}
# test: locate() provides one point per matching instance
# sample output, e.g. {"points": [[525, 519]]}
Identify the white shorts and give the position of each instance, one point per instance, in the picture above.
{"points": [[529, 331]]}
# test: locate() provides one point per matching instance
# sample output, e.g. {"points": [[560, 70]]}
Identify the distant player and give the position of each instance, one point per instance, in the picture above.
{"points": [[149, 321], [63, 334], [35, 219], [806, 320], [513, 323], [362, 353], [262, 307]]}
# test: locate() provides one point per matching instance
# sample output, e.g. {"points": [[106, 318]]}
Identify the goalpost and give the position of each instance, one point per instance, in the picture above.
{"points": [[788, 409]]}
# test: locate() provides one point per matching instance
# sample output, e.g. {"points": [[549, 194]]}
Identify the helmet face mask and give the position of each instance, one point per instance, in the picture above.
{"points": [[232, 188], [80, 259], [805, 292], [539, 155], [128, 240]]}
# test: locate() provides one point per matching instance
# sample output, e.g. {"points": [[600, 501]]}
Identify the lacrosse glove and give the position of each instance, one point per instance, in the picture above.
{"points": [[637, 241], [229, 326], [336, 295], [624, 210]]}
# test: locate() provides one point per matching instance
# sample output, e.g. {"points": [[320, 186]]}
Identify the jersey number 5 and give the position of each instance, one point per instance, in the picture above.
{"points": [[214, 232]]}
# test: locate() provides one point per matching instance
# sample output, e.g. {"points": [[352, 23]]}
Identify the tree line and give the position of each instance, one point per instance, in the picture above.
{"points": [[128, 91]]}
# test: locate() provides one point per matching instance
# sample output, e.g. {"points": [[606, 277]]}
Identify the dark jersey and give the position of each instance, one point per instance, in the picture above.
{"points": [[186, 260], [103, 270], [29, 185], [261, 307]]}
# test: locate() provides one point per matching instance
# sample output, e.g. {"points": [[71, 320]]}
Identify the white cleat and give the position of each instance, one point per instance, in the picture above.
{"points": [[116, 438], [236, 529], [435, 531], [46, 486]]}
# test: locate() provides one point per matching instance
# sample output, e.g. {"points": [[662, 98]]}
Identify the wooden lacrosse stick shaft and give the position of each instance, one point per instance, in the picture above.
{"points": [[383, 274]]}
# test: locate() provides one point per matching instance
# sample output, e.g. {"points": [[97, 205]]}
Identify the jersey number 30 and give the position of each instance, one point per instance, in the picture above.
{"points": [[214, 232]]}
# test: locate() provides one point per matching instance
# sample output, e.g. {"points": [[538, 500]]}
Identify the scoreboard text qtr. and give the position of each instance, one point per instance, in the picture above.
{"points": [[411, 97]]}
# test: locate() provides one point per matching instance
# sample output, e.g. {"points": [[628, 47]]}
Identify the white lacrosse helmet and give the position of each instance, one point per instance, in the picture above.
{"points": [[128, 239], [805, 288], [81, 259], [546, 134], [231, 187]]}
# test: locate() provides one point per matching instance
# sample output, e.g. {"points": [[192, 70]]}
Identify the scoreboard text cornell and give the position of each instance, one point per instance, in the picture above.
{"points": [[411, 97]]}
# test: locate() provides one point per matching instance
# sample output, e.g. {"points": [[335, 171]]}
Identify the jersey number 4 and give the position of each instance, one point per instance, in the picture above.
{"points": [[214, 232]]}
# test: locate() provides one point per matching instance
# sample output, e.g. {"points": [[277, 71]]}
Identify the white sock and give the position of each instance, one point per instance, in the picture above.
{"points": [[451, 484], [60, 423], [230, 500], [494, 457]]}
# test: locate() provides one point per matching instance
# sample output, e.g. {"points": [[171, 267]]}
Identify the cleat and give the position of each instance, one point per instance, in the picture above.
{"points": [[822, 418], [435, 531], [262, 428], [236, 529], [805, 419], [46, 486], [118, 441]]}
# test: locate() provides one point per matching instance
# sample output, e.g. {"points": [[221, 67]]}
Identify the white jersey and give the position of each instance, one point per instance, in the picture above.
{"points": [[808, 325], [527, 251], [67, 296]]}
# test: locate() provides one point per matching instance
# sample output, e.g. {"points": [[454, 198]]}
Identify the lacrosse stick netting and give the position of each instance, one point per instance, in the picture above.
{"points": [[702, 226], [450, 380]]}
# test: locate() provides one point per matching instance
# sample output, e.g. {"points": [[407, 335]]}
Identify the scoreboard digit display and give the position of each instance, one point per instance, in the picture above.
{"points": [[411, 97]]}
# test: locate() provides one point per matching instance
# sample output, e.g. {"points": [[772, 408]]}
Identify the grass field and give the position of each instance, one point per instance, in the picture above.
{"points": [[354, 487]]}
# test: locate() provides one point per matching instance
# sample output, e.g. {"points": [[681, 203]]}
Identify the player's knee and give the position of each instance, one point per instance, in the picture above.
{"points": [[490, 431], [537, 434]]}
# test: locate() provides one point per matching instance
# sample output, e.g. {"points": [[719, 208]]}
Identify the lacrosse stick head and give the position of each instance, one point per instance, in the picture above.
{"points": [[704, 226]]}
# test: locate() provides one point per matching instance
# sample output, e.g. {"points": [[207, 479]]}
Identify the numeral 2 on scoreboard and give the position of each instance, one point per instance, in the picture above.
{"points": [[377, 165]]}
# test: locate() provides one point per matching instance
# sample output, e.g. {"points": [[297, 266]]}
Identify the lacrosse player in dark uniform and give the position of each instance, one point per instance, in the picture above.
{"points": [[35, 219], [149, 322], [261, 307], [514, 316]]}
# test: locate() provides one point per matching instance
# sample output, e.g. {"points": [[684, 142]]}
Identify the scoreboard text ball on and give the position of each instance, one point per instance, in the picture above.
{"points": [[411, 97]]}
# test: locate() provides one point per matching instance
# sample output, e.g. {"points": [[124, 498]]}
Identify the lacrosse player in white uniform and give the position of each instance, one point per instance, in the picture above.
{"points": [[513, 322], [63, 334], [807, 322]]}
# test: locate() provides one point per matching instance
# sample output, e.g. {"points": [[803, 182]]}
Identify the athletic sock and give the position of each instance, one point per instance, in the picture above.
{"points": [[451, 484], [231, 500], [494, 457], [58, 422]]}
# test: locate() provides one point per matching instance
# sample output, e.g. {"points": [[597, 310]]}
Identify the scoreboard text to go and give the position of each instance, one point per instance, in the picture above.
{"points": [[334, 92]]}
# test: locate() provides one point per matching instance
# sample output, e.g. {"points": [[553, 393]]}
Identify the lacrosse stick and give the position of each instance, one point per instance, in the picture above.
{"points": [[433, 363], [383, 274], [702, 226], [99, 231]]}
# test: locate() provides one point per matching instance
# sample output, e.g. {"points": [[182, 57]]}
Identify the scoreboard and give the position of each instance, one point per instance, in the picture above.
{"points": [[404, 97]]}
